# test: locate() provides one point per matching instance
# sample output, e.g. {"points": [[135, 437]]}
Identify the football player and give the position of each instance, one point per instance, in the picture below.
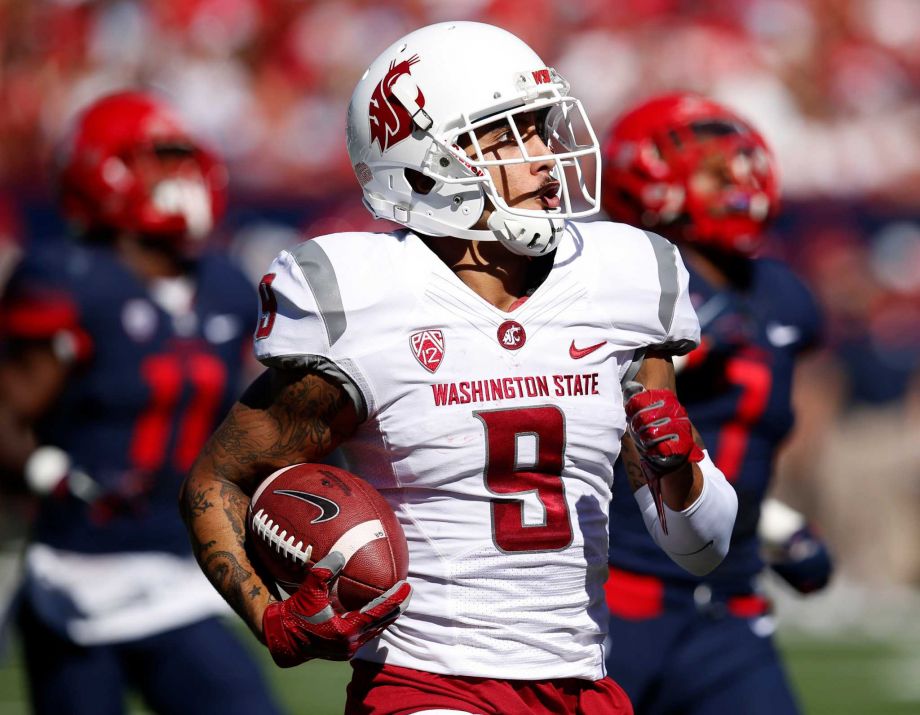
{"points": [[694, 171], [121, 352], [472, 367]]}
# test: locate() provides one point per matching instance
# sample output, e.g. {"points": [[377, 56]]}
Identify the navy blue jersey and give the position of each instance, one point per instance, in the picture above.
{"points": [[736, 388], [144, 394]]}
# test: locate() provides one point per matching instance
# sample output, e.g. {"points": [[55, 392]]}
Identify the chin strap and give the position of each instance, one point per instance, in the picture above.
{"points": [[527, 236], [523, 235]]}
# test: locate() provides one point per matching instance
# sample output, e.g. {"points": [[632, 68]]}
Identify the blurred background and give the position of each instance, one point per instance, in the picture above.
{"points": [[834, 85]]}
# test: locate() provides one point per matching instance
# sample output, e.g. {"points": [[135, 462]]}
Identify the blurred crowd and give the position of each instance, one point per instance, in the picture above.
{"points": [[834, 85]]}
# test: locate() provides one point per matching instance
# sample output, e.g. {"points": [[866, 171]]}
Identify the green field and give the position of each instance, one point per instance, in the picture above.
{"points": [[833, 677]]}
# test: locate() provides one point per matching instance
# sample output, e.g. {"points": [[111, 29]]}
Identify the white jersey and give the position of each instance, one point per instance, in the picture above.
{"points": [[492, 434]]}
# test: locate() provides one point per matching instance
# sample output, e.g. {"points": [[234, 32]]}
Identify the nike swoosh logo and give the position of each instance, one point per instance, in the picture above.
{"points": [[699, 550], [322, 616], [578, 353], [328, 509]]}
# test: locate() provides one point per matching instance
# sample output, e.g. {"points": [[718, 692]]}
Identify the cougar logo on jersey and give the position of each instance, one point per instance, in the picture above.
{"points": [[428, 348], [390, 122], [511, 335]]}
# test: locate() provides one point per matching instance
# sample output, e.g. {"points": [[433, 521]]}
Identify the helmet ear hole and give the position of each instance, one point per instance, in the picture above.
{"points": [[420, 183]]}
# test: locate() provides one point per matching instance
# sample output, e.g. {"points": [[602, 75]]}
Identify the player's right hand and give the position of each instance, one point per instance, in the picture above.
{"points": [[50, 473], [307, 626], [660, 428]]}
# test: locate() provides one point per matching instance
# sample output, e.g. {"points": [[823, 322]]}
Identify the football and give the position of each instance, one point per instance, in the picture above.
{"points": [[302, 512]]}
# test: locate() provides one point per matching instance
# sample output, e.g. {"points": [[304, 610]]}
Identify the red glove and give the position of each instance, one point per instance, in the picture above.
{"points": [[306, 626], [661, 430]]}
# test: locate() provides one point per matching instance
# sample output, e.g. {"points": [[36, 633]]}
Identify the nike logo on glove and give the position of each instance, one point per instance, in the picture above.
{"points": [[578, 353]]}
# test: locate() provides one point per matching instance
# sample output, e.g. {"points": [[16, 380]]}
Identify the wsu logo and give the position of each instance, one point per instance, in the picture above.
{"points": [[390, 122], [511, 335], [428, 348]]}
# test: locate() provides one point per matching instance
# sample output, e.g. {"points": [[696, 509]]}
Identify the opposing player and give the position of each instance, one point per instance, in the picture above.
{"points": [[121, 352], [470, 368], [694, 171]]}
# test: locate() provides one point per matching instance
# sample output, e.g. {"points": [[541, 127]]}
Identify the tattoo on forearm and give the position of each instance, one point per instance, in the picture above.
{"points": [[198, 503], [634, 474], [193, 504], [629, 455], [224, 567], [283, 419], [228, 576], [235, 505]]}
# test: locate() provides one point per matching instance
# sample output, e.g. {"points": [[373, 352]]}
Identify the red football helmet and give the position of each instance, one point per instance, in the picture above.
{"points": [[692, 170], [112, 174]]}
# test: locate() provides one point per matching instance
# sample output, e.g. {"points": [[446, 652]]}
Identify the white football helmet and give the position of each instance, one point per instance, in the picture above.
{"points": [[421, 95]]}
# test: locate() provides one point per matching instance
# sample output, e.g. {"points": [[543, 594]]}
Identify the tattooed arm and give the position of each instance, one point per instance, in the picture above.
{"points": [[285, 417]]}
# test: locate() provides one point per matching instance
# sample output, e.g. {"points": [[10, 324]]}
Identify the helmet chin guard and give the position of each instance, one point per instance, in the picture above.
{"points": [[522, 235], [525, 235], [432, 92]]}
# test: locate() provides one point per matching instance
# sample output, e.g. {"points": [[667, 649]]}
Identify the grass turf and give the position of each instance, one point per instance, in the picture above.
{"points": [[832, 677]]}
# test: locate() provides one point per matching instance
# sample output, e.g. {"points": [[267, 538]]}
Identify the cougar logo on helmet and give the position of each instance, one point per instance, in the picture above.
{"points": [[390, 122]]}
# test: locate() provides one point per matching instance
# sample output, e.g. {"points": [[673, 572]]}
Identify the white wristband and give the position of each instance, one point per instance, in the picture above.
{"points": [[698, 537], [778, 522], [45, 468]]}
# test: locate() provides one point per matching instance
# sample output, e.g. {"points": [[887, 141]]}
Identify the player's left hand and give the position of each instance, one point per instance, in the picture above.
{"points": [[660, 428], [307, 626]]}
